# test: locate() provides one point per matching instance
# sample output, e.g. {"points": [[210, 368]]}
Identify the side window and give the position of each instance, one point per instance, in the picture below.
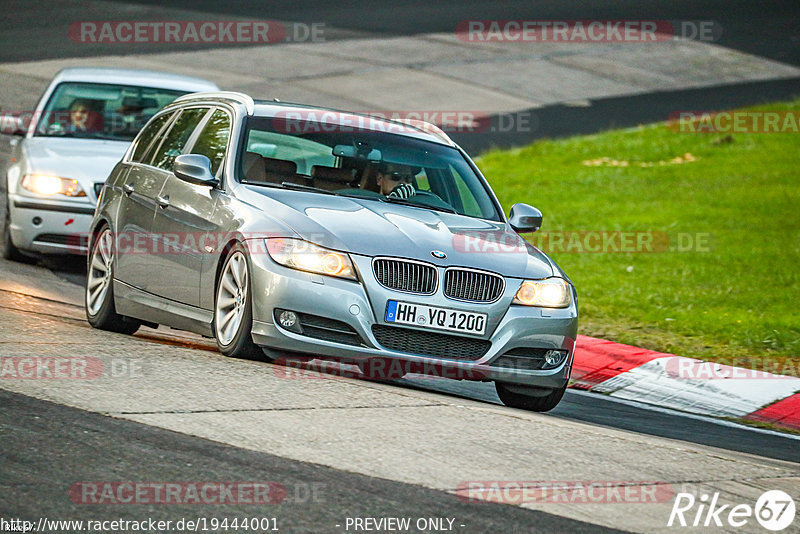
{"points": [[176, 138], [147, 135], [305, 153], [213, 140], [423, 184]]}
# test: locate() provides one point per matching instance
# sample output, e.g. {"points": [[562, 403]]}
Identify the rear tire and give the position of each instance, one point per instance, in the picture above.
{"points": [[7, 248], [515, 399], [233, 310], [99, 299]]}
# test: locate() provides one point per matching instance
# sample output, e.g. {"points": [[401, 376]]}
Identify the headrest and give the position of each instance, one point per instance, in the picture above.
{"points": [[280, 166], [249, 159], [332, 174], [139, 103]]}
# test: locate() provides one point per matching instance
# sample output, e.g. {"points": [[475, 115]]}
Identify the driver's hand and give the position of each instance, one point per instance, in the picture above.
{"points": [[403, 191]]}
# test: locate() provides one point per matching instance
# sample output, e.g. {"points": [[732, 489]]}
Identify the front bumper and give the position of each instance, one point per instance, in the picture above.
{"points": [[361, 306], [50, 227]]}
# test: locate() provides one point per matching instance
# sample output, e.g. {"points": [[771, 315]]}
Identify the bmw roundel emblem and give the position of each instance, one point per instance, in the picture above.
{"points": [[438, 254]]}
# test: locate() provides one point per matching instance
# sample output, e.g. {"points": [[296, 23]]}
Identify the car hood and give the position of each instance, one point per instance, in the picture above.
{"points": [[375, 228], [85, 160]]}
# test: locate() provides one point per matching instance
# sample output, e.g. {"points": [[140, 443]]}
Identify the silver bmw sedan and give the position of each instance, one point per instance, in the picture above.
{"points": [[287, 230]]}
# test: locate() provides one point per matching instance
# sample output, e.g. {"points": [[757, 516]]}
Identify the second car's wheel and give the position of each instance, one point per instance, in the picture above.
{"points": [[99, 302], [233, 310], [7, 249], [516, 397]]}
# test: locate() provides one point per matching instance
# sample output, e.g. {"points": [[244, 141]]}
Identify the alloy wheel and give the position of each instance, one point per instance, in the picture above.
{"points": [[231, 298], [99, 279]]}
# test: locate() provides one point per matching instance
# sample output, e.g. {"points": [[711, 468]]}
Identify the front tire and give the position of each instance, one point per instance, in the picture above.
{"points": [[233, 310], [7, 248], [514, 396], [99, 301]]}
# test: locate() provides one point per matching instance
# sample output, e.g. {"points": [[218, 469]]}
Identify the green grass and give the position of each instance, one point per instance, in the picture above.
{"points": [[738, 299]]}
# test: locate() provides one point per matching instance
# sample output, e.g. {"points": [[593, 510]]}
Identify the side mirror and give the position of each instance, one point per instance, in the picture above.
{"points": [[524, 218], [195, 169], [12, 125]]}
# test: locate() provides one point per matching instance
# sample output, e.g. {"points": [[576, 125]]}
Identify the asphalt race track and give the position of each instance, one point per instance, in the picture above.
{"points": [[59, 445]]}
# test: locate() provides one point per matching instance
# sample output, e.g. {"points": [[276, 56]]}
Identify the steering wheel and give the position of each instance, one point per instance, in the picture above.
{"points": [[421, 193]]}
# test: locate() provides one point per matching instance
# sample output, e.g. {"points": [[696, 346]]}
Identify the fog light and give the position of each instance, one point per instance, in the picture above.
{"points": [[287, 319], [554, 358]]}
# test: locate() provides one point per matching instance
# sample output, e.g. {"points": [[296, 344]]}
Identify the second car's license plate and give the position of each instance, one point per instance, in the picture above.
{"points": [[435, 317]]}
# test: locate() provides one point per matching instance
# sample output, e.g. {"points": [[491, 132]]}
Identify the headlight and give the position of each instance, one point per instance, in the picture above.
{"points": [[44, 184], [548, 293], [306, 256]]}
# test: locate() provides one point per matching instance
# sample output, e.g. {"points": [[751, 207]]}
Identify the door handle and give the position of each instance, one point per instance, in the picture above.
{"points": [[127, 189], [163, 201]]}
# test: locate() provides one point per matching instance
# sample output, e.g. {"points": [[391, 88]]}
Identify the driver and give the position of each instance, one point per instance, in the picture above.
{"points": [[396, 180], [83, 117]]}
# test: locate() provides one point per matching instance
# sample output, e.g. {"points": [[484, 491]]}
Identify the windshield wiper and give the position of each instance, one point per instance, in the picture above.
{"points": [[301, 187], [407, 202]]}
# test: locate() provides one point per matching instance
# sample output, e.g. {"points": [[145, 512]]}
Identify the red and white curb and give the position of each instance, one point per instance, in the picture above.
{"points": [[685, 384]]}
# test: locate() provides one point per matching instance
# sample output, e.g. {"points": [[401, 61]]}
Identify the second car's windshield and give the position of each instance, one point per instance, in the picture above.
{"points": [[347, 160], [101, 111]]}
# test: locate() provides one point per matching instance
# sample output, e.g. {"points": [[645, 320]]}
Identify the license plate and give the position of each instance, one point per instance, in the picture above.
{"points": [[435, 317]]}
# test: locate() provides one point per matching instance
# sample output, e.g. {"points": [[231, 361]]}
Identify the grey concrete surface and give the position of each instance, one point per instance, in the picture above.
{"points": [[436, 71]]}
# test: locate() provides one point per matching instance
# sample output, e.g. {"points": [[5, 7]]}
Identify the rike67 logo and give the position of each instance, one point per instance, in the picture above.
{"points": [[774, 510]]}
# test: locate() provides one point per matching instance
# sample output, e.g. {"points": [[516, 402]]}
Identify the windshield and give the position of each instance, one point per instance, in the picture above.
{"points": [[377, 165], [101, 111]]}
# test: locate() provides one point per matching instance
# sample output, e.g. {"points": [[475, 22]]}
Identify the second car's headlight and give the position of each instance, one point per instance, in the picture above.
{"points": [[547, 293], [306, 256], [44, 184]]}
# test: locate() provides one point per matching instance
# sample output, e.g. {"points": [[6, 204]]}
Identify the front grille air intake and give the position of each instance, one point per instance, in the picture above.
{"points": [[473, 286], [405, 275], [431, 344]]}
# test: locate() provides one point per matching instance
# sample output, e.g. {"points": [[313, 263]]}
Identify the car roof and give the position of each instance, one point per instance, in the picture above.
{"points": [[292, 111], [141, 78]]}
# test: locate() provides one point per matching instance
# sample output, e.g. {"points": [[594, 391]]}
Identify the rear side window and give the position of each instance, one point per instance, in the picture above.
{"points": [[176, 138], [213, 140], [145, 139]]}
